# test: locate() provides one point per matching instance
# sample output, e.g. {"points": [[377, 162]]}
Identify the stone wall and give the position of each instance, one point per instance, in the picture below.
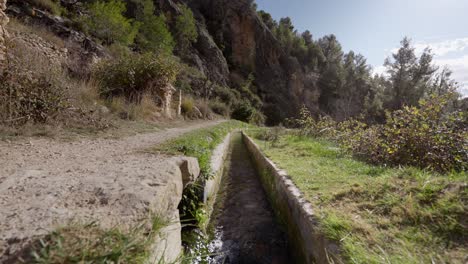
{"points": [[3, 34], [309, 244], [217, 167]]}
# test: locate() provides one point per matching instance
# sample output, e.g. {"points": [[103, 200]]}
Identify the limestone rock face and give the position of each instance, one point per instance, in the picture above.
{"points": [[205, 53], [3, 33], [282, 83], [250, 47]]}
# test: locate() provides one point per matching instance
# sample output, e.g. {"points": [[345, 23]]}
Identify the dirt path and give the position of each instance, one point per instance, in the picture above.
{"points": [[44, 183]]}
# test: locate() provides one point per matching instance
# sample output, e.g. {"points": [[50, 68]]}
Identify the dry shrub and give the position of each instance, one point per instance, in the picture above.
{"points": [[52, 6], [36, 93], [220, 108], [146, 109], [202, 105], [22, 27], [32, 88], [135, 76]]}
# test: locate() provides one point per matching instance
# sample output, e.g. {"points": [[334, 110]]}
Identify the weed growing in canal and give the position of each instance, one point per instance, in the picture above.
{"points": [[89, 243]]}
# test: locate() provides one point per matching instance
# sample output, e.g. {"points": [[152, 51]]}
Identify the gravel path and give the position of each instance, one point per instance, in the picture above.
{"points": [[45, 183]]}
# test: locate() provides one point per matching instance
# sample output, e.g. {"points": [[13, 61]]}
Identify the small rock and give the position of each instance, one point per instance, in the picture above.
{"points": [[189, 168]]}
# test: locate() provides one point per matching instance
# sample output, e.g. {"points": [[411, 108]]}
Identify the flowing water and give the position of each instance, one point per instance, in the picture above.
{"points": [[245, 229]]}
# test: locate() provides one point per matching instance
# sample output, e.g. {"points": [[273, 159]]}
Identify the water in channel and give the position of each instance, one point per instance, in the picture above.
{"points": [[245, 229]]}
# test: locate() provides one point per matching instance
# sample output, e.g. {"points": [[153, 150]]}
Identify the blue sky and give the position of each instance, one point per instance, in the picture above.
{"points": [[374, 28]]}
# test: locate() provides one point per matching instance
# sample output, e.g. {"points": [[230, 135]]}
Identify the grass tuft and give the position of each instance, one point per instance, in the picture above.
{"points": [[89, 243]]}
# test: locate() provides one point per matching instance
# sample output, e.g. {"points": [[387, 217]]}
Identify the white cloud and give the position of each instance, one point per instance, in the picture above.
{"points": [[459, 67], [452, 53], [379, 70], [442, 48]]}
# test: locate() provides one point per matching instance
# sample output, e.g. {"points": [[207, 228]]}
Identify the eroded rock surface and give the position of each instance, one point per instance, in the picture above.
{"points": [[44, 186], [3, 34], [250, 47]]}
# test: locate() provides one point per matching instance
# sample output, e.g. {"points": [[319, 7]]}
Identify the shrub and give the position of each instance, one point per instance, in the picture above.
{"points": [[135, 76], [185, 27], [424, 137], [188, 78], [203, 107], [220, 108], [226, 94], [105, 20], [428, 136], [31, 88], [243, 111], [187, 105], [324, 126]]}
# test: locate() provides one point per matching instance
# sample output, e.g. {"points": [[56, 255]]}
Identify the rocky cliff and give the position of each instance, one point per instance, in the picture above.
{"points": [[233, 42], [249, 47]]}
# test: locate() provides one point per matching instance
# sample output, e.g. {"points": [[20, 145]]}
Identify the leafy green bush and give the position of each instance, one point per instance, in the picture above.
{"points": [[324, 126], [185, 28], [133, 77], [244, 111], [428, 136], [105, 20]]}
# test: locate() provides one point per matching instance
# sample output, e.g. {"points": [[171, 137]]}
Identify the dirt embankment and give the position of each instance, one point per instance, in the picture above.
{"points": [[45, 184]]}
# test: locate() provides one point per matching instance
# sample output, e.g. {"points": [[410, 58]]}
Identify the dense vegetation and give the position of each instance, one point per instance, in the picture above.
{"points": [[428, 136]]}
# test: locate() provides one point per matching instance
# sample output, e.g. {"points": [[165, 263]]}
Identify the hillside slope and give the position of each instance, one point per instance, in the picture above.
{"points": [[234, 43]]}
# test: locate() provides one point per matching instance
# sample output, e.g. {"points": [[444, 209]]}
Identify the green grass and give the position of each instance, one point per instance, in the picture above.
{"points": [[200, 143], [89, 243], [378, 214]]}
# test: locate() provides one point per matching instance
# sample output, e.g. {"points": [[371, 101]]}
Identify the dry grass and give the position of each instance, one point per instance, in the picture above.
{"points": [[147, 109], [89, 243], [20, 27], [48, 5]]}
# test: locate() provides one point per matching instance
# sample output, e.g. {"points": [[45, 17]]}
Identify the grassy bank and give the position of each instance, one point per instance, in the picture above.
{"points": [[379, 215], [200, 143]]}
